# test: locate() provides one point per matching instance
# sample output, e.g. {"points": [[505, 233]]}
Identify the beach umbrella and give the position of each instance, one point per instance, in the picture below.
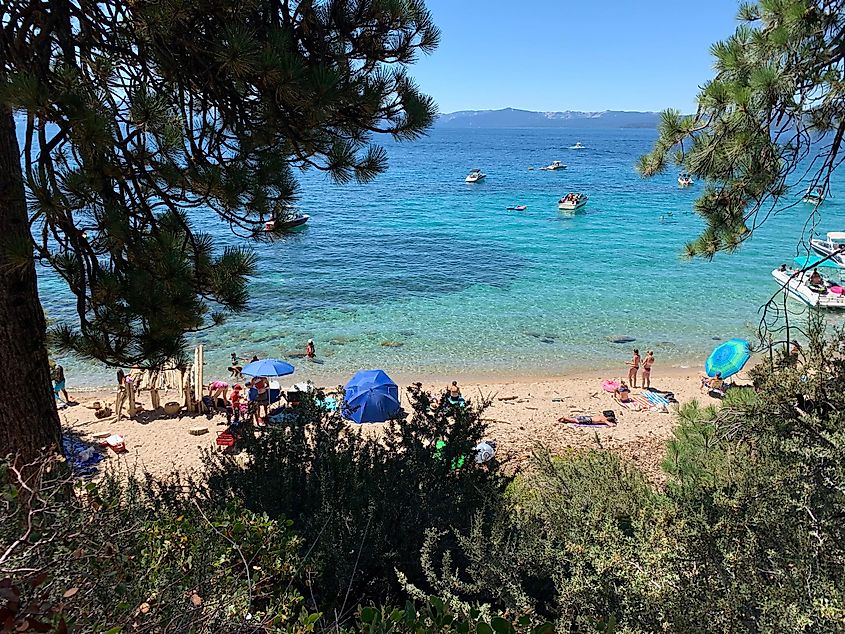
{"points": [[267, 367], [370, 397], [728, 358]]}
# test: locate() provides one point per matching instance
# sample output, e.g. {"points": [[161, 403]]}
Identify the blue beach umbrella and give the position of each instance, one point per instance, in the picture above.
{"points": [[370, 397], [728, 358], [267, 367]]}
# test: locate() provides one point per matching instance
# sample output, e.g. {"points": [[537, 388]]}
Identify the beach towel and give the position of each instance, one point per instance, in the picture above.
{"points": [[656, 399], [631, 405], [82, 457]]}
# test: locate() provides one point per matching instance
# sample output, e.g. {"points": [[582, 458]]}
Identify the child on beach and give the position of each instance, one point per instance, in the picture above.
{"points": [[647, 363], [635, 365]]}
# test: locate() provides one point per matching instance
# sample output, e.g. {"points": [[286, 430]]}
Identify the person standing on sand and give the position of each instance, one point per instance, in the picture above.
{"points": [[647, 363], [310, 350], [635, 365], [59, 383]]}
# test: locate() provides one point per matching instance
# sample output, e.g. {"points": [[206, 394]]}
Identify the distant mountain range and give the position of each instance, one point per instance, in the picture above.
{"points": [[513, 118]]}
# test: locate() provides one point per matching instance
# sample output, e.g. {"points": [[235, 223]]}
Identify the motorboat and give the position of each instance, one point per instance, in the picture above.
{"points": [[814, 196], [296, 222], [518, 208], [833, 245], [475, 176], [684, 180], [572, 201], [555, 165], [799, 284], [577, 146]]}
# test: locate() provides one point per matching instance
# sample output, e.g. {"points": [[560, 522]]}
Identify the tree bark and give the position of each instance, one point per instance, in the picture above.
{"points": [[29, 422]]}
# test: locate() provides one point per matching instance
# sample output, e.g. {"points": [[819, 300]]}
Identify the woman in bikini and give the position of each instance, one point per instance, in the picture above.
{"points": [[622, 393], [647, 363], [635, 365]]}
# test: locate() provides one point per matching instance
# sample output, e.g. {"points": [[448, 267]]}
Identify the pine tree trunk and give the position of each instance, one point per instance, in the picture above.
{"points": [[28, 417]]}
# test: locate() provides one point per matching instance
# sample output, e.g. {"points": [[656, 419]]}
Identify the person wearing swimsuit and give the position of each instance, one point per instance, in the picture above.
{"points": [[647, 363], [635, 365]]}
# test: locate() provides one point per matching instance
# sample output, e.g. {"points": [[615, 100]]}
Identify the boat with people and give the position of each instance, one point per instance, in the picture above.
{"points": [[572, 201], [554, 165], [833, 246], [814, 196], [475, 176], [810, 286], [518, 208], [577, 146], [296, 222], [684, 180]]}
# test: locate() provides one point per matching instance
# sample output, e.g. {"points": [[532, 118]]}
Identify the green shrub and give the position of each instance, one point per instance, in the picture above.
{"points": [[128, 554], [364, 503]]}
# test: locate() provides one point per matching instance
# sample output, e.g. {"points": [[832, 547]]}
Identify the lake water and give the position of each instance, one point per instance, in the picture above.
{"points": [[421, 274]]}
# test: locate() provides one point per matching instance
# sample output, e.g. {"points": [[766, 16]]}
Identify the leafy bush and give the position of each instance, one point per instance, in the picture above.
{"points": [[363, 502], [568, 544], [123, 553]]}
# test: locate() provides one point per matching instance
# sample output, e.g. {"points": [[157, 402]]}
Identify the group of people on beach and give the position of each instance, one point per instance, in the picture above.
{"points": [[634, 367]]}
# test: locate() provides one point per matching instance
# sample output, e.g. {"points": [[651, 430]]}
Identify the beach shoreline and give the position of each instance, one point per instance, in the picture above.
{"points": [[522, 416]]}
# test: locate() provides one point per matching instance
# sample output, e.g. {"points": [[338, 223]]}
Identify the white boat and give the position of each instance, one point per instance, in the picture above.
{"points": [[796, 284], [475, 176], [293, 223], [555, 165], [577, 146], [684, 180], [572, 201], [833, 245], [814, 196]]}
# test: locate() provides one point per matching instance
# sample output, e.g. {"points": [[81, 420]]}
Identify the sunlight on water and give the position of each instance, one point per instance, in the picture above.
{"points": [[420, 273]]}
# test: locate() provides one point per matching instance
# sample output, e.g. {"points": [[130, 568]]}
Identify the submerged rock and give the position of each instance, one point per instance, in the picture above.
{"points": [[546, 340], [392, 344], [621, 339]]}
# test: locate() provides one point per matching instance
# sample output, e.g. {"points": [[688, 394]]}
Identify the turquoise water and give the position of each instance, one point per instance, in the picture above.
{"points": [[421, 259]]}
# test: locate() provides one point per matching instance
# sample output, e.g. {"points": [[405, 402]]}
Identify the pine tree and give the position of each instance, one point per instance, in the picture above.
{"points": [[774, 113], [139, 117]]}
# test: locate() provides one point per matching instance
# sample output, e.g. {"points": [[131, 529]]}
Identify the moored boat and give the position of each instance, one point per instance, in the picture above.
{"points": [[554, 165], [810, 287], [290, 224], [814, 196], [572, 201], [833, 245], [577, 146], [475, 176], [518, 208]]}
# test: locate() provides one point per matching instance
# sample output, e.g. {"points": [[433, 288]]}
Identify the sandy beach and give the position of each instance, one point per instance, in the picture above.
{"points": [[523, 415]]}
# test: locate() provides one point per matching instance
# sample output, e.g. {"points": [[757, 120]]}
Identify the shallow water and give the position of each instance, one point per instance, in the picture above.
{"points": [[421, 274]]}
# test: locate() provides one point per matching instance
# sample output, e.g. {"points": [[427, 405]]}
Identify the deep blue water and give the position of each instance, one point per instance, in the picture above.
{"points": [[422, 259]]}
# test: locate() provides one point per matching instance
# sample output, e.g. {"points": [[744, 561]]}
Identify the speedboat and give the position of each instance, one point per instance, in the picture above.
{"points": [[475, 176], [824, 293], [290, 224], [555, 165], [815, 196], [684, 180], [572, 201], [833, 245], [518, 208], [577, 146]]}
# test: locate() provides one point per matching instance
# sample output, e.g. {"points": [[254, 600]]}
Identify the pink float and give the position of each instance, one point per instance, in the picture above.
{"points": [[610, 386]]}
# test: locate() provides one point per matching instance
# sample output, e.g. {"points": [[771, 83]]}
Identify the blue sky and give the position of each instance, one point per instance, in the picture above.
{"points": [[572, 54]]}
